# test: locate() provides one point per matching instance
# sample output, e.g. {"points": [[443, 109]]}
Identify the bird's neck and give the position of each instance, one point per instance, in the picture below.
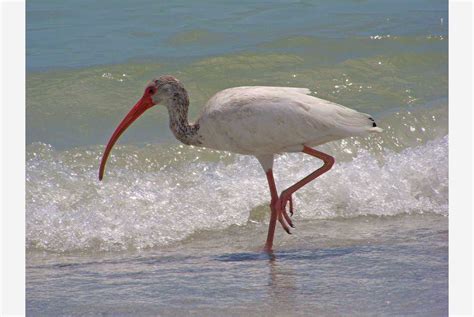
{"points": [[179, 125]]}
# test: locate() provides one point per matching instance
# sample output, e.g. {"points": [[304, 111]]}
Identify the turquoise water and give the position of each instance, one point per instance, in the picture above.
{"points": [[87, 33], [174, 230]]}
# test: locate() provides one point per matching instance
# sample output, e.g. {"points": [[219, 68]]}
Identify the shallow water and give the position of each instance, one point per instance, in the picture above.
{"points": [[365, 266], [176, 230]]}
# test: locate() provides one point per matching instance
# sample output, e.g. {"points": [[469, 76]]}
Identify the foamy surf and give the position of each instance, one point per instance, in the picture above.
{"points": [[157, 195]]}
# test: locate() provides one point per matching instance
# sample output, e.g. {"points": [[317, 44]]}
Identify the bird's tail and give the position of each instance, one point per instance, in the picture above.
{"points": [[353, 122], [373, 128]]}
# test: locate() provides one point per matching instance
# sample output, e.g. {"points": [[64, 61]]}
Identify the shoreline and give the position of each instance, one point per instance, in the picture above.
{"points": [[398, 266]]}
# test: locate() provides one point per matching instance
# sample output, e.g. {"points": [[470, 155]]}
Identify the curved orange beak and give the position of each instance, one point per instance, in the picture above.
{"points": [[141, 106]]}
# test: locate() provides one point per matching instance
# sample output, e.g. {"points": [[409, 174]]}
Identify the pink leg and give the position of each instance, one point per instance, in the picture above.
{"points": [[278, 205], [274, 214], [285, 196]]}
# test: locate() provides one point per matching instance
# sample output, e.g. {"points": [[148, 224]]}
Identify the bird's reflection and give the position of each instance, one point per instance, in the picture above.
{"points": [[281, 285]]}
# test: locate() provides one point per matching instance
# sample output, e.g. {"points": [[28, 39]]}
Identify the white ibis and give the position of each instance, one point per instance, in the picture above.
{"points": [[259, 121]]}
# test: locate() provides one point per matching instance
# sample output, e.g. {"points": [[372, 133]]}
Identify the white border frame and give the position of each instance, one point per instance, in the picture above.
{"points": [[12, 158], [460, 158]]}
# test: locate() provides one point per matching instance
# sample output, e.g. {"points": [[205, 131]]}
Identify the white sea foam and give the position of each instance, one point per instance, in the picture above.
{"points": [[151, 197]]}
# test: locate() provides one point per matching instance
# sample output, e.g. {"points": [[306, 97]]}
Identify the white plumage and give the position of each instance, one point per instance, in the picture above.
{"points": [[269, 120]]}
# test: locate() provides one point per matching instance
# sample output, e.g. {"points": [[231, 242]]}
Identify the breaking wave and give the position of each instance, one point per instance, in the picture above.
{"points": [[158, 194]]}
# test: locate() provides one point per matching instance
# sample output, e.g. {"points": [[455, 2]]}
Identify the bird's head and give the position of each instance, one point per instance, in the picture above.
{"points": [[166, 89], [160, 90]]}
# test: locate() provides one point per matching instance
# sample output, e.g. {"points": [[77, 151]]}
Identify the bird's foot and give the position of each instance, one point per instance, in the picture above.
{"points": [[283, 217], [284, 200], [290, 200]]}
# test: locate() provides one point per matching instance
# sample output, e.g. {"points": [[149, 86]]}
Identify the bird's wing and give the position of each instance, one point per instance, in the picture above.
{"points": [[239, 96], [271, 90], [271, 119]]}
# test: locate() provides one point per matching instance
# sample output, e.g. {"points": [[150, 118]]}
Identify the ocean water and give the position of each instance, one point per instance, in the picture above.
{"points": [[175, 230]]}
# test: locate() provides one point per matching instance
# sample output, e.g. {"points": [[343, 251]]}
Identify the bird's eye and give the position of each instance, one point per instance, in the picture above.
{"points": [[151, 90]]}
